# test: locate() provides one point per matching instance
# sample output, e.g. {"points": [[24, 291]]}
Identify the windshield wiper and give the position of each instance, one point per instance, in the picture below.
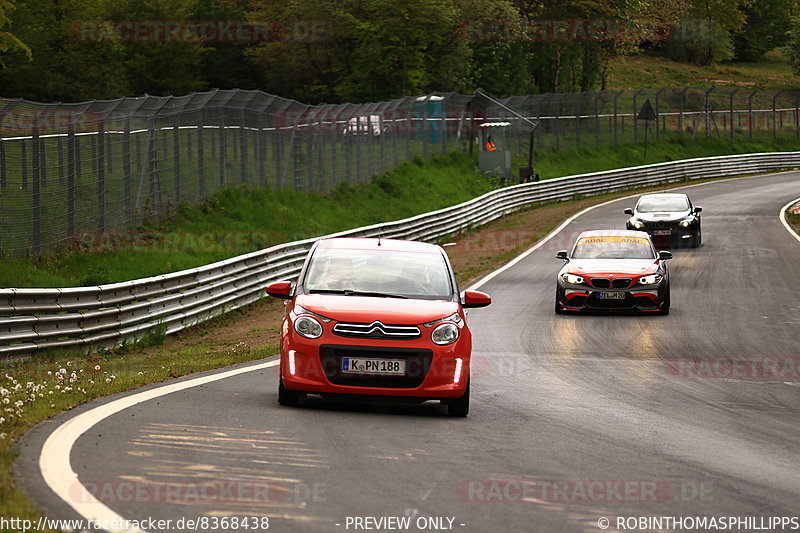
{"points": [[352, 292]]}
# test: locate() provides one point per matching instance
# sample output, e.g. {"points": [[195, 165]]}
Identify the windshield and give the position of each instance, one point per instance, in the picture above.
{"points": [[613, 247], [379, 273], [662, 204]]}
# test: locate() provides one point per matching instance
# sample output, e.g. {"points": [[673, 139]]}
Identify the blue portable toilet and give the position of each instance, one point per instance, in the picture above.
{"points": [[427, 108]]}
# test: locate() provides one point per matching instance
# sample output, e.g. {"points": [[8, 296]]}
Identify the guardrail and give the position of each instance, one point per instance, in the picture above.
{"points": [[105, 316]]}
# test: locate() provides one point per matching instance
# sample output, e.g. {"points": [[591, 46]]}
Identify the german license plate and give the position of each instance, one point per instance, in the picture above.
{"points": [[610, 295], [378, 367], [662, 232]]}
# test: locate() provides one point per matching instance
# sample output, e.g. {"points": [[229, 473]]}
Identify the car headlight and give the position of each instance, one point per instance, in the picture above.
{"points": [[572, 279], [308, 327], [445, 333], [686, 222], [638, 224], [455, 317], [650, 280]]}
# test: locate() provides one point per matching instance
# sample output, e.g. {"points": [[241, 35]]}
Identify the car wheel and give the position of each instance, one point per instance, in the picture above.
{"points": [[666, 303], [697, 239], [459, 406], [559, 309], [287, 397]]}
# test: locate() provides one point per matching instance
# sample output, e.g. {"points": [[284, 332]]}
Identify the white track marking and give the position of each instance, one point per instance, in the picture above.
{"points": [[54, 460], [786, 225]]}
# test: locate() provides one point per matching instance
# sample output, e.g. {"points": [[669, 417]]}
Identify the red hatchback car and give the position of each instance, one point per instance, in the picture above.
{"points": [[376, 319]]}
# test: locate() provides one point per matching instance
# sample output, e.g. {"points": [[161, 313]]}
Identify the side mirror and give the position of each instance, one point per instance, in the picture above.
{"points": [[663, 255], [280, 289], [474, 299], [697, 209], [562, 254], [629, 211]]}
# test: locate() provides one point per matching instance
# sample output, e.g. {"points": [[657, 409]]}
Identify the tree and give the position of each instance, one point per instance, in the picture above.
{"points": [[767, 27], [705, 33], [59, 65], [8, 41]]}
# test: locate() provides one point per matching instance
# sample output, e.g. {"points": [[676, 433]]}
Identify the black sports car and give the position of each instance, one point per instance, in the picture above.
{"points": [[669, 218]]}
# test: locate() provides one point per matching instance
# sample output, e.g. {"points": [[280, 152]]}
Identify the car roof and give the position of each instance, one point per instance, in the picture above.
{"points": [[668, 194], [614, 233], [390, 245]]}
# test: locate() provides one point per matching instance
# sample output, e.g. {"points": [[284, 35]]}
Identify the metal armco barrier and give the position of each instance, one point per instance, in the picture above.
{"points": [[90, 318]]}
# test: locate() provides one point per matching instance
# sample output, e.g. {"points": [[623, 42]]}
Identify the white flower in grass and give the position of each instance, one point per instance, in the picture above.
{"points": [[17, 387], [141, 373], [49, 372], [49, 392], [97, 367], [30, 385], [6, 401], [69, 363], [2, 420], [108, 380], [19, 403], [4, 392], [2, 436]]}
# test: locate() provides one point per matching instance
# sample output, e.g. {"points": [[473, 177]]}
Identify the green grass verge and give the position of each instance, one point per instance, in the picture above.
{"points": [[571, 161], [238, 220], [773, 72]]}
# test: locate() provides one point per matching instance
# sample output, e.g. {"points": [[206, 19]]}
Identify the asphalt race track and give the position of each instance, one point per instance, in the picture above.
{"points": [[573, 418]]}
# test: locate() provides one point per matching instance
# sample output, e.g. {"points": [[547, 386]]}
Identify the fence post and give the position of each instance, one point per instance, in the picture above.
{"points": [[578, 107], [635, 121], [243, 147], [42, 162], [60, 148], [732, 95], [597, 119], [24, 160], [682, 107], [201, 154], [101, 177], [37, 208], [334, 156], [3, 172], [152, 150], [176, 158], [796, 116], [557, 99], [750, 112], [72, 154], [126, 170], [425, 127], [262, 151], [658, 110], [774, 116], [223, 149]]}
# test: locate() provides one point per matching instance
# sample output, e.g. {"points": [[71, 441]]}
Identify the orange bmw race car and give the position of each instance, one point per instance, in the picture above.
{"points": [[613, 270]]}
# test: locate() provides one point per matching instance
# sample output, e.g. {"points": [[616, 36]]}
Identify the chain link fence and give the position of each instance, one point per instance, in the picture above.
{"points": [[106, 166]]}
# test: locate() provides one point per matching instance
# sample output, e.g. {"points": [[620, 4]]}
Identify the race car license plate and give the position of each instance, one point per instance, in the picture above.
{"points": [[662, 232], [379, 367], [610, 295]]}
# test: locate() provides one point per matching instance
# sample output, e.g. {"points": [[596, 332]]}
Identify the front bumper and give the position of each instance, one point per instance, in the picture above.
{"points": [[432, 371], [581, 298]]}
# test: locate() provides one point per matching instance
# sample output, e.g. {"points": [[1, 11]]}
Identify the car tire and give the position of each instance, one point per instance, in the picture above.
{"points": [[559, 309], [286, 397], [459, 406], [697, 239], [665, 308]]}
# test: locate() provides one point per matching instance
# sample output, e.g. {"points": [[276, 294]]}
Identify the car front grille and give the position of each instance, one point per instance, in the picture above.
{"points": [[594, 302], [660, 224], [418, 363], [600, 283], [621, 283], [376, 330]]}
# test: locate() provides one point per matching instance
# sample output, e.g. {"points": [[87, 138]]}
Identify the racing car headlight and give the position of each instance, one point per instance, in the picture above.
{"points": [[445, 333], [638, 224], [308, 327], [455, 317], [650, 280], [686, 222], [572, 279]]}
